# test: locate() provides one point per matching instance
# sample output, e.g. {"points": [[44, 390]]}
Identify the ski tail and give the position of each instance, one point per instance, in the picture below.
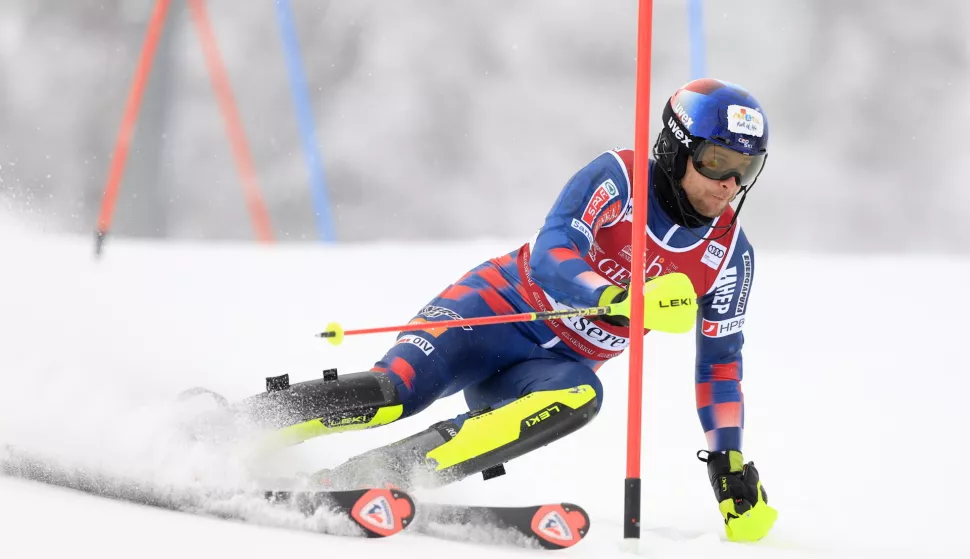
{"points": [[374, 512], [378, 512], [549, 526], [559, 526]]}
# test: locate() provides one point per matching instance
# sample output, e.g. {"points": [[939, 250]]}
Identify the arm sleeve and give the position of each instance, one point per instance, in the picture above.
{"points": [[720, 401], [596, 196]]}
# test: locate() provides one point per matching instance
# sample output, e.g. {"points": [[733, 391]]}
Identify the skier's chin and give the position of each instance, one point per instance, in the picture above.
{"points": [[720, 211], [713, 208]]}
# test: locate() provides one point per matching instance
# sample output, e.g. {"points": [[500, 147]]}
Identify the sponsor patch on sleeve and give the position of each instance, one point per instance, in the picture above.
{"points": [[724, 287], [423, 344], [609, 215], [581, 227], [721, 328], [605, 192], [745, 284]]}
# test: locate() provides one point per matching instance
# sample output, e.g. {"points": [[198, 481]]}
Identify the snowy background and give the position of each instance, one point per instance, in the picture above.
{"points": [[426, 106], [855, 374], [854, 383]]}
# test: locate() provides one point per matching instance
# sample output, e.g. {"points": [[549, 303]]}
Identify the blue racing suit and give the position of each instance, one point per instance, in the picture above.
{"points": [[583, 247]]}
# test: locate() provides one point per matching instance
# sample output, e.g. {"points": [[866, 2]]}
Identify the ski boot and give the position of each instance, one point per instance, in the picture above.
{"points": [[290, 414]]}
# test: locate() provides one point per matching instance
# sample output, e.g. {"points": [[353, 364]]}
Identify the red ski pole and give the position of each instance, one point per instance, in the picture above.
{"points": [[335, 333], [670, 305]]}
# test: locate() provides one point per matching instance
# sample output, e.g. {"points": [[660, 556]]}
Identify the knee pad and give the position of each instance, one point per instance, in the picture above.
{"points": [[571, 375]]}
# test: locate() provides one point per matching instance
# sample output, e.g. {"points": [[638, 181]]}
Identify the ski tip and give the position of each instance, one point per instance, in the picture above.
{"points": [[560, 526], [383, 512]]}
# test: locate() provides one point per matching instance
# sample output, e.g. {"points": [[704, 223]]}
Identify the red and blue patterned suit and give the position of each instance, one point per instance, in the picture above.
{"points": [[583, 247]]}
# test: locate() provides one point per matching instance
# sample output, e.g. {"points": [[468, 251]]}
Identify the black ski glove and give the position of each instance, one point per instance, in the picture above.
{"points": [[610, 296], [741, 498]]}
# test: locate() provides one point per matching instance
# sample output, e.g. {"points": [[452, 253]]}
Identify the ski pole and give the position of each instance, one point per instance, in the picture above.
{"points": [[335, 333], [670, 305]]}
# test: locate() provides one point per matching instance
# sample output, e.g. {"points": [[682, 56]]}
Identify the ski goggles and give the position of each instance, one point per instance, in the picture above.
{"points": [[717, 162]]}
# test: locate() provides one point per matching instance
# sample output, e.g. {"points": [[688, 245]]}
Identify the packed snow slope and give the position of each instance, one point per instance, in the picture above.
{"points": [[855, 384]]}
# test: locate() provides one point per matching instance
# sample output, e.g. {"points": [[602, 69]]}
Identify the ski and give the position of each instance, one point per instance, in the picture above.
{"points": [[547, 526], [378, 512], [370, 512]]}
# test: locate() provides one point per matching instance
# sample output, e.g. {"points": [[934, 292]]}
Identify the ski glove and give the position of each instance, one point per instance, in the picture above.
{"points": [[611, 296], [669, 304], [741, 497]]}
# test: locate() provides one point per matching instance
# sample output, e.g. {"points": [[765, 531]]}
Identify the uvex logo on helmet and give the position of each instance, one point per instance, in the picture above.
{"points": [[678, 133], [681, 113]]}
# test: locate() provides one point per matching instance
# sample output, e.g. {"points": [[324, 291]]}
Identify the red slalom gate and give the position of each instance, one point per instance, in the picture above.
{"points": [[641, 178], [234, 128], [128, 121]]}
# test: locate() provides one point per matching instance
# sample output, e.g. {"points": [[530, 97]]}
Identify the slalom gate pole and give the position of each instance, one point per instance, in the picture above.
{"points": [[130, 117], [234, 128], [698, 46], [641, 178], [300, 91]]}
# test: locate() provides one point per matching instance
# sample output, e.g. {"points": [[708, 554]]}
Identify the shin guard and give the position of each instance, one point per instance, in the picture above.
{"points": [[305, 410], [451, 450]]}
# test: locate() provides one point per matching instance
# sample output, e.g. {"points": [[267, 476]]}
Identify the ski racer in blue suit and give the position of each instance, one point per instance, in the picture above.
{"points": [[530, 383]]}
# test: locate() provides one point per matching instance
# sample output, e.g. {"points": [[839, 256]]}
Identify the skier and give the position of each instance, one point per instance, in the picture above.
{"points": [[528, 384]]}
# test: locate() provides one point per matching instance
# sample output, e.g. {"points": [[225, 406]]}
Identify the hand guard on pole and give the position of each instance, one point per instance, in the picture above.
{"points": [[669, 304]]}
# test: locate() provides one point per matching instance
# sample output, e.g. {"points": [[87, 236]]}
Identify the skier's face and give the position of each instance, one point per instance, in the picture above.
{"points": [[709, 197]]}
